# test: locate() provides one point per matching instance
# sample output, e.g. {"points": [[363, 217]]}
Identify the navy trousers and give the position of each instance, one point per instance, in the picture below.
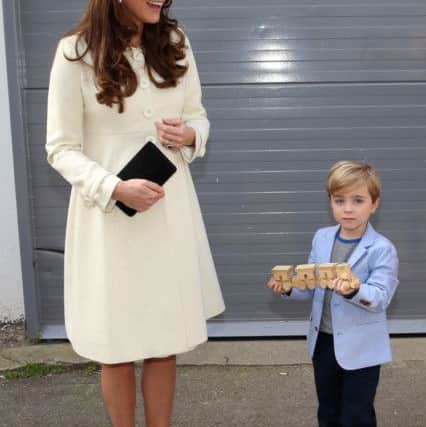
{"points": [[346, 398]]}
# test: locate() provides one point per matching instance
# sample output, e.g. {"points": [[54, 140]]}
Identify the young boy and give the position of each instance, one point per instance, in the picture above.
{"points": [[348, 336]]}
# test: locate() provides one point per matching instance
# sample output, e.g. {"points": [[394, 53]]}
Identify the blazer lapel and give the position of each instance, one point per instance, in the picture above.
{"points": [[362, 247]]}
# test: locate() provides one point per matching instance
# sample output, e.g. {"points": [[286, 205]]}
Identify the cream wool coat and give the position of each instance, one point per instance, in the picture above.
{"points": [[135, 287]]}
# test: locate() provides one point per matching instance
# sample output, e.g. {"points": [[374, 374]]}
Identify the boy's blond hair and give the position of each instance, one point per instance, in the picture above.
{"points": [[346, 174]]}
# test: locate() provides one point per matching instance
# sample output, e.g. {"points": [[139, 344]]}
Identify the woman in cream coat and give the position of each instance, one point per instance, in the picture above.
{"points": [[136, 287]]}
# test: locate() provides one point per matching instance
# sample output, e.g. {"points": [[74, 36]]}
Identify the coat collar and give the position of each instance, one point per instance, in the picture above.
{"points": [[360, 250]]}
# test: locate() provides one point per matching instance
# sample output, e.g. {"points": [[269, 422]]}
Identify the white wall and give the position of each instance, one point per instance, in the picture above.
{"points": [[11, 288]]}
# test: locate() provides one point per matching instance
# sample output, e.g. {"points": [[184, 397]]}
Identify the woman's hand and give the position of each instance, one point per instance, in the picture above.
{"points": [[139, 194], [174, 134]]}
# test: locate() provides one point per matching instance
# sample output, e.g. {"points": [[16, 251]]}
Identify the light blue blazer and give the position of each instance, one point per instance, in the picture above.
{"points": [[360, 331]]}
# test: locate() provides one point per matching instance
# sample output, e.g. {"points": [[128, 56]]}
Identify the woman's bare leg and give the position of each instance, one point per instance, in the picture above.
{"points": [[158, 388], [119, 393]]}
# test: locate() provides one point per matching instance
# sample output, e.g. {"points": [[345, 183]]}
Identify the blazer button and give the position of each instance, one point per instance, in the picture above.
{"points": [[316, 328], [148, 112]]}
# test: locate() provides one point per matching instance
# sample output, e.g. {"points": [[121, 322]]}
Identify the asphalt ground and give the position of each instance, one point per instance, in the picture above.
{"points": [[211, 396]]}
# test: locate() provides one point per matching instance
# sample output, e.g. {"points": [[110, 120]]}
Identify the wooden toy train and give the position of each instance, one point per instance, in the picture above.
{"points": [[310, 276]]}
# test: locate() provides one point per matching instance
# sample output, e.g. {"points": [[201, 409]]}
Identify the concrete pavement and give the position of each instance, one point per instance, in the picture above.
{"points": [[249, 383]]}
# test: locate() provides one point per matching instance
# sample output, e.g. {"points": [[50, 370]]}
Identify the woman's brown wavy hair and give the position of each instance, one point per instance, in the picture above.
{"points": [[107, 31]]}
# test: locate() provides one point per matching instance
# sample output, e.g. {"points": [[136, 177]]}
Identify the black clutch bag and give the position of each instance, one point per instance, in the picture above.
{"points": [[148, 163]]}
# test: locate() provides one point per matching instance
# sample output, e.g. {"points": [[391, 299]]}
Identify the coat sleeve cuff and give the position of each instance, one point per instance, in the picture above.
{"points": [[298, 295], [286, 294], [361, 297], [190, 153], [104, 198], [352, 294]]}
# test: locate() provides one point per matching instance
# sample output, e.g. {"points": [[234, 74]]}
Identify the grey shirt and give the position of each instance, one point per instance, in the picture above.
{"points": [[342, 250]]}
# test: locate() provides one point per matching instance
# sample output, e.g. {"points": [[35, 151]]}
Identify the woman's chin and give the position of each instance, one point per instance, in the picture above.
{"points": [[151, 18], [153, 21]]}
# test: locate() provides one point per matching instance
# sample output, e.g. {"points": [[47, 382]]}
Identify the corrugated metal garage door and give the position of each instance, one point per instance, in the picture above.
{"points": [[290, 86]]}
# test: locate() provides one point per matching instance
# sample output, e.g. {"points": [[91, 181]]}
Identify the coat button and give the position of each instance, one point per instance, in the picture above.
{"points": [[147, 112], [138, 55], [144, 83], [316, 328], [87, 202]]}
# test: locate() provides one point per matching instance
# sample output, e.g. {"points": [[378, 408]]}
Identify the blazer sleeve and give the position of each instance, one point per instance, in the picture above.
{"points": [[194, 114], [376, 294], [307, 294], [65, 122]]}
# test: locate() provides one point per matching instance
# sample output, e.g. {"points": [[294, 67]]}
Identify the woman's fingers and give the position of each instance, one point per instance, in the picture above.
{"points": [[139, 194], [170, 139], [173, 121], [153, 187], [171, 132]]}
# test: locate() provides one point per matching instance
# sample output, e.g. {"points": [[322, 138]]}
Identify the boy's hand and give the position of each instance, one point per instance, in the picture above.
{"points": [[274, 286], [277, 287], [345, 287]]}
